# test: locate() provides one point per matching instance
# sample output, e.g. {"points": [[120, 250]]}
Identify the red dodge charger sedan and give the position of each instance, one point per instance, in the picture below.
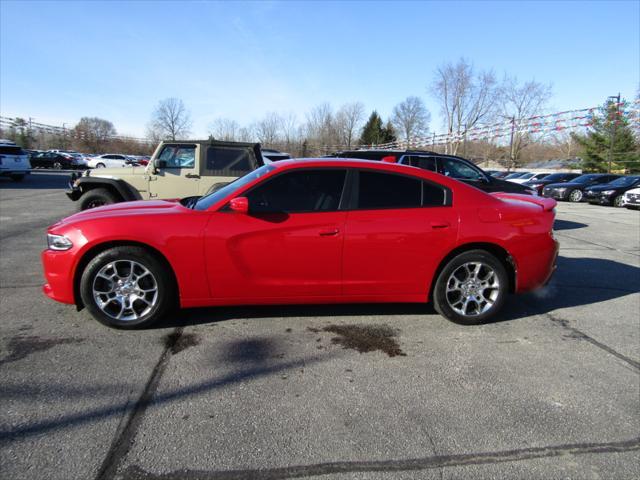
{"points": [[305, 232]]}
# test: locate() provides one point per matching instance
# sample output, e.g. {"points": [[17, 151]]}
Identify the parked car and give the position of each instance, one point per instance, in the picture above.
{"points": [[53, 160], [271, 155], [514, 175], [176, 170], [529, 177], [632, 198], [330, 231], [107, 160], [573, 191], [500, 175], [611, 193], [448, 165], [14, 161], [538, 185]]}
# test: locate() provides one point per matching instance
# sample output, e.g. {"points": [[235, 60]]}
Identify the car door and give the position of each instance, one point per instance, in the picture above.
{"points": [[398, 229], [176, 174], [288, 246]]}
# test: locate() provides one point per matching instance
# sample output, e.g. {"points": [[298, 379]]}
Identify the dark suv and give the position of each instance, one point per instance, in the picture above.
{"points": [[448, 165]]}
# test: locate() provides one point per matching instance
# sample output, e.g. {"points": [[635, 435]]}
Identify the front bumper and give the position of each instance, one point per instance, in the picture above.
{"points": [[58, 272], [632, 200], [554, 193], [599, 198], [72, 191]]}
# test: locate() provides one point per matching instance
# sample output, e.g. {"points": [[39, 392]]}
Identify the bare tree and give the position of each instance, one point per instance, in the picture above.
{"points": [[268, 129], [320, 126], [465, 97], [289, 128], [170, 120], [349, 121], [410, 118], [246, 134], [93, 133], [518, 102], [225, 129]]}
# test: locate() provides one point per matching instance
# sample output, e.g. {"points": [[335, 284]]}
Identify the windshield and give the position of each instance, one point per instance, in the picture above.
{"points": [[205, 202], [514, 175], [585, 178], [624, 181], [557, 176], [526, 175]]}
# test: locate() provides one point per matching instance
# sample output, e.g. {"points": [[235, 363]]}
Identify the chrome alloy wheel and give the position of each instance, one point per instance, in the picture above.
{"points": [[472, 289], [125, 290]]}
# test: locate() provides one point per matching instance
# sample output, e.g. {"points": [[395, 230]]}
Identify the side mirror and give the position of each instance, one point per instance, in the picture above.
{"points": [[239, 204], [161, 164]]}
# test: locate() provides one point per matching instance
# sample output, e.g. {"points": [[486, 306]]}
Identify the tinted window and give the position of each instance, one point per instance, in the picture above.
{"points": [[219, 158], [426, 163], [11, 150], [208, 200], [432, 195], [383, 190], [179, 156], [300, 191], [457, 169]]}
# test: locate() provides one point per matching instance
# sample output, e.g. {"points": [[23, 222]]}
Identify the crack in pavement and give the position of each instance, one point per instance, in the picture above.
{"points": [[135, 472]]}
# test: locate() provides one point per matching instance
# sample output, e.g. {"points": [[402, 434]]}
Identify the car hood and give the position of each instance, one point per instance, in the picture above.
{"points": [[117, 172], [124, 209]]}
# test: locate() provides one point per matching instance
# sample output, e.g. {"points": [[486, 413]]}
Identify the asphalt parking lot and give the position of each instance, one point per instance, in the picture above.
{"points": [[552, 390]]}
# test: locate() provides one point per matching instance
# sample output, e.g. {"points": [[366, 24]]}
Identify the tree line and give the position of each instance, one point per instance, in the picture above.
{"points": [[467, 97]]}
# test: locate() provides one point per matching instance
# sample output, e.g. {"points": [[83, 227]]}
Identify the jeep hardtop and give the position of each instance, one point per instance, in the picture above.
{"points": [[177, 169]]}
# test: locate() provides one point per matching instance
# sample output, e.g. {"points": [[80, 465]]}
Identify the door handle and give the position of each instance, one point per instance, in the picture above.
{"points": [[329, 233], [192, 175], [439, 225]]}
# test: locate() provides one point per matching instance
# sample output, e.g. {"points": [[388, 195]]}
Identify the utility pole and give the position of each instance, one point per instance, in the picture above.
{"points": [[512, 160], [612, 129]]}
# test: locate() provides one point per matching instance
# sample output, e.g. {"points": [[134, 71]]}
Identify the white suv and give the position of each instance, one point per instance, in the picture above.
{"points": [[14, 162]]}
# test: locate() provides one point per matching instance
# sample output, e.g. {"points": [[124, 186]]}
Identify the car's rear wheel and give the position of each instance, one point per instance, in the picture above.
{"points": [[618, 201], [97, 198], [575, 195], [17, 177], [127, 287], [100, 165], [471, 288]]}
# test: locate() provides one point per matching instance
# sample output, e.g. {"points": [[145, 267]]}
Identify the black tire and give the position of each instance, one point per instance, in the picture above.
{"points": [[443, 301], [57, 166], [575, 196], [618, 201], [100, 165], [162, 280], [18, 177], [97, 197]]}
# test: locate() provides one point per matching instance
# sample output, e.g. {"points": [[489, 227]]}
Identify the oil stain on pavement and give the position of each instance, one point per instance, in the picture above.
{"points": [[365, 338]]}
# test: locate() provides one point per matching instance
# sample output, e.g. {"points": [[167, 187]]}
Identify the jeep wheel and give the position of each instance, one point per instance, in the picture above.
{"points": [[97, 198], [127, 287]]}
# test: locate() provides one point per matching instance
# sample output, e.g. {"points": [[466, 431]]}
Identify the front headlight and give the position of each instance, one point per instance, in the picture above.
{"points": [[609, 192], [58, 242]]}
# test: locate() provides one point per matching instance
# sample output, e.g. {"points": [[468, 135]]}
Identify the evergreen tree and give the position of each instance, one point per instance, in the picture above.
{"points": [[596, 145], [372, 132], [388, 133]]}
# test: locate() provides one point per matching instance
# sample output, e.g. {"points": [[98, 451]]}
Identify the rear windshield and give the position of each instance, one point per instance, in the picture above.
{"points": [[11, 150]]}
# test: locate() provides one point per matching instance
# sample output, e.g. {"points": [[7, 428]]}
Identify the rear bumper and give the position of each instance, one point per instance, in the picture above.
{"points": [[536, 266]]}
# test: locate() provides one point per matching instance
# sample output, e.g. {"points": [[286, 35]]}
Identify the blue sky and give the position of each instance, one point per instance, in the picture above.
{"points": [[63, 60]]}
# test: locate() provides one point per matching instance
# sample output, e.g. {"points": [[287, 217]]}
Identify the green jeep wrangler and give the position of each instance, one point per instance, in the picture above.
{"points": [[177, 169]]}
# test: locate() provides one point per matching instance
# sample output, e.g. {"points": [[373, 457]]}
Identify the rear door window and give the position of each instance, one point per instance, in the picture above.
{"points": [[228, 161], [380, 190], [425, 163]]}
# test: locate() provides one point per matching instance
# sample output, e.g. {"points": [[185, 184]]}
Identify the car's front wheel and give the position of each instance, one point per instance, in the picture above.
{"points": [[100, 165], [471, 288], [127, 287], [97, 197], [618, 201], [575, 195]]}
